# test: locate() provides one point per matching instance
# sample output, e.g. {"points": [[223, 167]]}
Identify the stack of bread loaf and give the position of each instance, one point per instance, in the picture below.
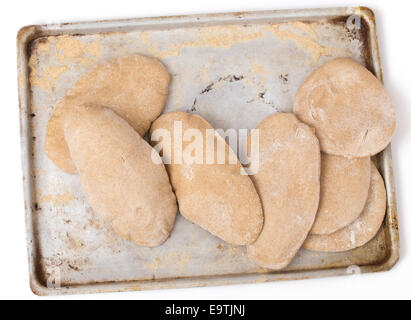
{"points": [[316, 185]]}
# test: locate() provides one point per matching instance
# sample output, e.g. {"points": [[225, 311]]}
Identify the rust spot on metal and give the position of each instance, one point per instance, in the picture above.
{"points": [[284, 78]]}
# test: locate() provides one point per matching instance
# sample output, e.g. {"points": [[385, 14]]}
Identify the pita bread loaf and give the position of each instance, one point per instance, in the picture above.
{"points": [[214, 196], [118, 176], [288, 183], [135, 87], [349, 108], [361, 230], [344, 191]]}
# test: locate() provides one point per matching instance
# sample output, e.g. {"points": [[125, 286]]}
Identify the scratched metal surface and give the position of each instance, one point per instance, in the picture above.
{"points": [[234, 70]]}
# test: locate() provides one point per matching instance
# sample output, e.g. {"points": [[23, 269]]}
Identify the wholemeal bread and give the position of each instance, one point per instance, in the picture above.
{"points": [[288, 183], [361, 230], [134, 86], [349, 108], [118, 176], [215, 196], [344, 191]]}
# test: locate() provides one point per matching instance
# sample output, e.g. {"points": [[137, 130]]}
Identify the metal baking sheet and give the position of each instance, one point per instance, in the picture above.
{"points": [[234, 69]]}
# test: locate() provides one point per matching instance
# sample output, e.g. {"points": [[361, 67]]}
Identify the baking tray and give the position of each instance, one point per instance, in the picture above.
{"points": [[234, 69]]}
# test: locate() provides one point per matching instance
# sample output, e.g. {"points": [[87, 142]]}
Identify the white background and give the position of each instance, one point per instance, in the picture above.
{"points": [[393, 23]]}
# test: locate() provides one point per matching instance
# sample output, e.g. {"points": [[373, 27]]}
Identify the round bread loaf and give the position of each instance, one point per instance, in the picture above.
{"points": [[288, 183], [118, 176], [349, 108], [215, 196], [134, 86], [361, 230], [344, 191]]}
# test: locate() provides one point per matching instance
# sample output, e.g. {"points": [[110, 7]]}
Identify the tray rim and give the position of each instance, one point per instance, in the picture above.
{"points": [[29, 33]]}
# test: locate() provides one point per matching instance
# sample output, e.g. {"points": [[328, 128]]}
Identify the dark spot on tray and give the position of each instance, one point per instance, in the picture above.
{"points": [[41, 40], [208, 88], [33, 43], [235, 78], [79, 35], [229, 78], [193, 106], [263, 98], [32, 115], [36, 206], [73, 267], [284, 77]]}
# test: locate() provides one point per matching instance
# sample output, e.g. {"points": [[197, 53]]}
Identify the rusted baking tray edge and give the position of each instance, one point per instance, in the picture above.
{"points": [[27, 34]]}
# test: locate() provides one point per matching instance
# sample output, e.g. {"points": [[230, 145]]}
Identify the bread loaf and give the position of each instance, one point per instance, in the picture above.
{"points": [[214, 196], [344, 191], [134, 86], [361, 230], [288, 183], [118, 176], [349, 108]]}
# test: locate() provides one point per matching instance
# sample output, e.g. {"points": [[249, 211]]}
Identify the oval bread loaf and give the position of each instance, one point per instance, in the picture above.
{"points": [[134, 86], [118, 176], [288, 183], [349, 108], [361, 230], [344, 191], [215, 196]]}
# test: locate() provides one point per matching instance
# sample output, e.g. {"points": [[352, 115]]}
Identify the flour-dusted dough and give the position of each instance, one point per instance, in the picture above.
{"points": [[344, 191], [118, 176], [214, 196], [349, 108], [134, 86], [288, 183], [361, 230]]}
